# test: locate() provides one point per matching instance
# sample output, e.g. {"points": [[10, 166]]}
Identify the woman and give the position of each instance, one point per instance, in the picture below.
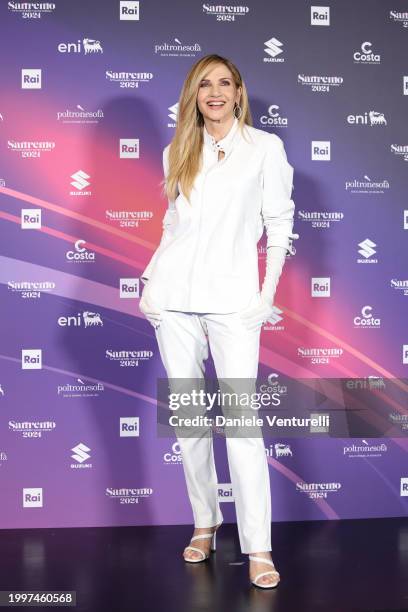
{"points": [[225, 180]]}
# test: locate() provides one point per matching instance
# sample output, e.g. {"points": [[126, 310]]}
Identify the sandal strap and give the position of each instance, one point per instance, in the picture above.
{"points": [[264, 574], [202, 536], [198, 550], [261, 560]]}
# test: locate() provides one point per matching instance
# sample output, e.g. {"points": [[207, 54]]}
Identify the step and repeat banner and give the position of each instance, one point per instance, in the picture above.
{"points": [[89, 97]]}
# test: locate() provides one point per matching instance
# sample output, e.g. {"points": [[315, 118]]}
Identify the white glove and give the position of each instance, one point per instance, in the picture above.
{"points": [[150, 311], [255, 316]]}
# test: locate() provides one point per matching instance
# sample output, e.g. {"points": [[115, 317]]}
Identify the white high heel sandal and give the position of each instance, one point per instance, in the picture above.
{"points": [[202, 536], [274, 571]]}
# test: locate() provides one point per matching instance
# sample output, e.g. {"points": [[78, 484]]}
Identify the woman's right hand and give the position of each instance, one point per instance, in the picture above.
{"points": [[151, 312]]}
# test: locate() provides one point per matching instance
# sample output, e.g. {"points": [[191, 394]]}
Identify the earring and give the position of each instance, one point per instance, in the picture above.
{"points": [[240, 111]]}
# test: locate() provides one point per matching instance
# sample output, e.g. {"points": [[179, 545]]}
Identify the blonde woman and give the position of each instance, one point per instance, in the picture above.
{"points": [[225, 181]]}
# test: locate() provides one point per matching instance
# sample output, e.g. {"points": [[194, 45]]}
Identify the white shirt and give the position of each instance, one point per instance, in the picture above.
{"points": [[207, 259]]}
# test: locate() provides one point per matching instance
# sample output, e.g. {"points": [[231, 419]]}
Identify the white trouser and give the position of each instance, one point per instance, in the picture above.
{"points": [[183, 345]]}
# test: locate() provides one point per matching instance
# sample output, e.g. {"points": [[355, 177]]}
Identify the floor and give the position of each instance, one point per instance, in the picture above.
{"points": [[330, 566]]}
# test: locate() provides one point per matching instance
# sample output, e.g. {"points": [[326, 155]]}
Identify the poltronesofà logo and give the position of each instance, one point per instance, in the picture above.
{"points": [[80, 115], [80, 389], [367, 185], [364, 450], [177, 49]]}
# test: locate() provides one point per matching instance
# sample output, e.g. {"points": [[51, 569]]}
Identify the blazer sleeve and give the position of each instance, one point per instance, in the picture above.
{"points": [[169, 215], [167, 222], [277, 205]]}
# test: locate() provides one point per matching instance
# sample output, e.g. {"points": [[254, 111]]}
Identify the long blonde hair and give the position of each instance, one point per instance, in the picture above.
{"points": [[186, 146]]}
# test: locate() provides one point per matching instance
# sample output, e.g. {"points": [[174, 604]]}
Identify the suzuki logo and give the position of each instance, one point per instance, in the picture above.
{"points": [[80, 452], [366, 248], [80, 180], [273, 47]]}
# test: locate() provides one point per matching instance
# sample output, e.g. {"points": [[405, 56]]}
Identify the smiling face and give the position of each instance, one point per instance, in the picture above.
{"points": [[217, 94]]}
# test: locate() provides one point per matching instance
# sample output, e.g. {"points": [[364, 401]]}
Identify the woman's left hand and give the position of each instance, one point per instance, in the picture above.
{"points": [[255, 316]]}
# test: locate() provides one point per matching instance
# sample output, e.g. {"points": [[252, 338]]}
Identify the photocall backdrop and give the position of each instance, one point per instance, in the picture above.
{"points": [[89, 94]]}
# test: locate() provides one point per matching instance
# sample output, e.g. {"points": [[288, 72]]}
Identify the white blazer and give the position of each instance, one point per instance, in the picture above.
{"points": [[207, 259]]}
